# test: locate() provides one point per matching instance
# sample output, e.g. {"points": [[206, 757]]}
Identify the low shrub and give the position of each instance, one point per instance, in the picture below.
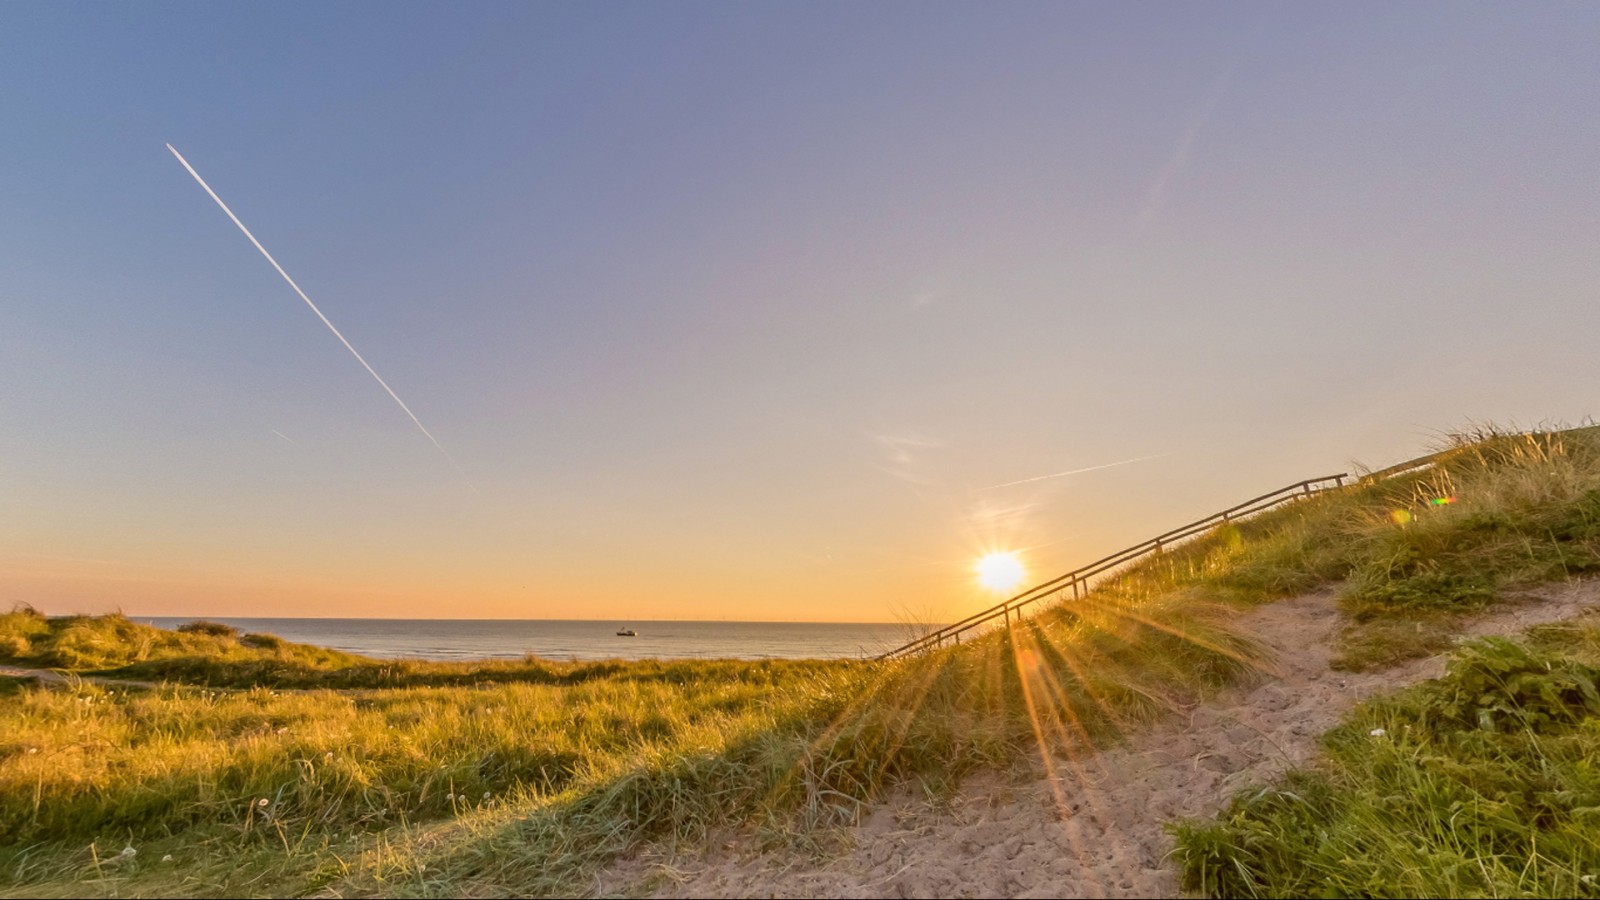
{"points": [[210, 629]]}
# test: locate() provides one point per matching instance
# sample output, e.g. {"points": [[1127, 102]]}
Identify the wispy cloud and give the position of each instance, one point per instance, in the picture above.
{"points": [[1125, 462], [986, 512], [904, 455], [347, 345], [1156, 195]]}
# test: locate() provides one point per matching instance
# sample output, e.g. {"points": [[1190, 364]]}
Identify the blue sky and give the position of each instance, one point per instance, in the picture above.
{"points": [[738, 310]]}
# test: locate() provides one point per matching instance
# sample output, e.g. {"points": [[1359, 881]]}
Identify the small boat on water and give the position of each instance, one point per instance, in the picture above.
{"points": [[627, 632]]}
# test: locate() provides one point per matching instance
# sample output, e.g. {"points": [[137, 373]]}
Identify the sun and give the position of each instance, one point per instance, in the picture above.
{"points": [[1000, 571]]}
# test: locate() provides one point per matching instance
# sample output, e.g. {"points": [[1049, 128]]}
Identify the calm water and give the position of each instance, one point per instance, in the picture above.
{"points": [[565, 639]]}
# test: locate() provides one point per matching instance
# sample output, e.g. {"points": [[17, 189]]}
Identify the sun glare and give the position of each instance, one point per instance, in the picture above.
{"points": [[1000, 571]]}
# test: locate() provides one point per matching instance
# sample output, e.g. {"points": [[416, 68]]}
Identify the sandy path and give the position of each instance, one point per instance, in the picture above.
{"points": [[1104, 836], [53, 677]]}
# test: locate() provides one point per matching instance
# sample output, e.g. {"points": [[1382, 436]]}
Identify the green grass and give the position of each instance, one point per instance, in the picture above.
{"points": [[530, 785], [1485, 783], [263, 772], [928, 721], [107, 644], [374, 772], [1413, 555], [90, 761]]}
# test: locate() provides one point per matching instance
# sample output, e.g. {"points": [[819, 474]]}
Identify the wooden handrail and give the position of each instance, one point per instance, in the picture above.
{"points": [[1409, 465], [1077, 579]]}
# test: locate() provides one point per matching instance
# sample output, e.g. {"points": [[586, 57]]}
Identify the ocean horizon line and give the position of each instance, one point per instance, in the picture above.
{"points": [[591, 639], [613, 621]]}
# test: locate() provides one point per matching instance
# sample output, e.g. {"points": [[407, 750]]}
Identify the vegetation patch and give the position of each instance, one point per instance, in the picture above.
{"points": [[529, 786], [1484, 783], [1411, 554]]}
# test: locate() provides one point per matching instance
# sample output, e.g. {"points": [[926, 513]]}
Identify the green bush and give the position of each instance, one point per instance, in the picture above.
{"points": [[264, 641], [210, 629], [1373, 598], [15, 647], [1498, 684]]}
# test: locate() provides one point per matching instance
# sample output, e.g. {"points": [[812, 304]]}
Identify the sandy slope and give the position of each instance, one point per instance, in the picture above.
{"points": [[54, 677], [1094, 827]]}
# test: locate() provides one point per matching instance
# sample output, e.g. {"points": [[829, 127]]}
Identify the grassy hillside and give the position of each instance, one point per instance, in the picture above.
{"points": [[266, 767], [1412, 553], [528, 786]]}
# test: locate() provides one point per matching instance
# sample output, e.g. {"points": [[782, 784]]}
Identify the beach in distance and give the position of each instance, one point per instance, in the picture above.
{"points": [[575, 639]]}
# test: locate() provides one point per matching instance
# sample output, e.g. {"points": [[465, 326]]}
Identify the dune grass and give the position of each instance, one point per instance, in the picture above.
{"points": [[1413, 554], [1485, 783], [266, 770], [264, 767], [529, 787], [92, 760]]}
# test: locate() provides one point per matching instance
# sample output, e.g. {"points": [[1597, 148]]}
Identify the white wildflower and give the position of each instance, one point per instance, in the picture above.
{"points": [[262, 802], [128, 853], [167, 858], [1377, 732]]}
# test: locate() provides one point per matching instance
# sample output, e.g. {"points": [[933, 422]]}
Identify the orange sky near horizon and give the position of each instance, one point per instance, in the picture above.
{"points": [[479, 562]]}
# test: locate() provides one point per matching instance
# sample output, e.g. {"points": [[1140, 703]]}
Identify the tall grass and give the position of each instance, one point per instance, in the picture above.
{"points": [[88, 761], [114, 642], [1410, 554], [325, 771], [1053, 687], [527, 787]]}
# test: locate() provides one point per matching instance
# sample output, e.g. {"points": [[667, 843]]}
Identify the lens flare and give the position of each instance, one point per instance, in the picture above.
{"points": [[1000, 571]]}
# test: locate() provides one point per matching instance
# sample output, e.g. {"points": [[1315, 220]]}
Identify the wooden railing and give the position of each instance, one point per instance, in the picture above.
{"points": [[1077, 581]]}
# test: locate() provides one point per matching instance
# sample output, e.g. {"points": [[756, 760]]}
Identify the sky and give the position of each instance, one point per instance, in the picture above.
{"points": [[764, 311]]}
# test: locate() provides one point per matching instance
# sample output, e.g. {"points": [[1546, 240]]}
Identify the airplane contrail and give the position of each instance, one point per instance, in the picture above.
{"points": [[1079, 471], [342, 340]]}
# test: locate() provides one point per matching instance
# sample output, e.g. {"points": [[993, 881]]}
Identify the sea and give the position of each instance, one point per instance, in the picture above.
{"points": [[563, 639]]}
